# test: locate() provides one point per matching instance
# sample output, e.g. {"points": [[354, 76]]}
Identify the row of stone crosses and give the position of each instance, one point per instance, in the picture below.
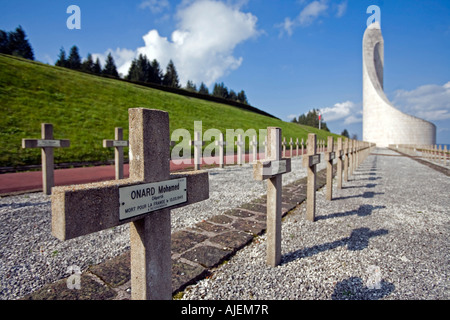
{"points": [[434, 153], [145, 199]]}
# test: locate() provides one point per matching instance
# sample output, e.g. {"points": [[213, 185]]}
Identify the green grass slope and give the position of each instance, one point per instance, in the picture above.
{"points": [[86, 108]]}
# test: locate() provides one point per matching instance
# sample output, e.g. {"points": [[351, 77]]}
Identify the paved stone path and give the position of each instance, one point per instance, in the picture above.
{"points": [[393, 216]]}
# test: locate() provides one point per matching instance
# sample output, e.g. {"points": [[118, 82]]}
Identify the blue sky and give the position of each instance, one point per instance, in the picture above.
{"points": [[288, 56]]}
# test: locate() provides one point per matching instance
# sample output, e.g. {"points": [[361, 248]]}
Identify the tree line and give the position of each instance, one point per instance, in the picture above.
{"points": [[312, 119], [74, 62], [145, 71]]}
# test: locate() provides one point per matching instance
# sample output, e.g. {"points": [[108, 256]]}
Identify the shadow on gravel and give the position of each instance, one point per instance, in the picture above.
{"points": [[354, 289], [366, 195], [358, 240], [25, 204], [369, 185], [362, 179], [363, 211]]}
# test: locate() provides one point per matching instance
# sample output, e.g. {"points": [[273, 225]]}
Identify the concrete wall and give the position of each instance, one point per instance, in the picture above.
{"points": [[383, 124]]}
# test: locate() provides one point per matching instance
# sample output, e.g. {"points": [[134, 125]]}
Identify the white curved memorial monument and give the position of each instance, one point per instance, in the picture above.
{"points": [[383, 124]]}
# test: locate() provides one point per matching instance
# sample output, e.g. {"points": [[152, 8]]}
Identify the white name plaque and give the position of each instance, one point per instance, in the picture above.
{"points": [[120, 143], [140, 199], [49, 143], [315, 159], [278, 167]]}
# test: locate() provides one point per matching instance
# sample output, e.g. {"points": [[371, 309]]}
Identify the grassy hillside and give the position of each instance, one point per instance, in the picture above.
{"points": [[86, 108]]}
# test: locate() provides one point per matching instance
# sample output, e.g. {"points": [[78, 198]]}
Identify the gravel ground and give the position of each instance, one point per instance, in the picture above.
{"points": [[31, 257], [391, 217]]}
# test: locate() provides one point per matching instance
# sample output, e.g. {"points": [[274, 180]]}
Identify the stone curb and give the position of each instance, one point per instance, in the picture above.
{"points": [[195, 251]]}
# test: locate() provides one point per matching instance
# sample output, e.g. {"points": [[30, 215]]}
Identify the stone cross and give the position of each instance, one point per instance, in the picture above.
{"points": [[330, 155], [47, 143], [340, 155], [254, 144], [118, 144], [221, 143], [346, 162], [144, 200], [311, 160], [272, 169], [290, 148], [445, 155], [350, 155], [265, 147], [197, 143], [239, 143], [440, 153]]}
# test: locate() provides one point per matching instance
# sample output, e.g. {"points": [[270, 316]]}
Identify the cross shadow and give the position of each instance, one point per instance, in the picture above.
{"points": [[369, 185], [370, 178], [358, 240], [353, 288], [362, 211], [24, 204], [362, 173], [366, 195]]}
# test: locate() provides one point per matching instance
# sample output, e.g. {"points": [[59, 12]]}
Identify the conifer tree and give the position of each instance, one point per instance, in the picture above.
{"points": [[242, 97], [312, 119], [140, 70], [232, 95], [15, 43], [88, 64], [132, 72], [110, 67], [171, 77], [157, 74], [220, 90], [97, 67], [4, 42], [203, 89], [74, 60], [345, 133], [62, 60], [190, 86]]}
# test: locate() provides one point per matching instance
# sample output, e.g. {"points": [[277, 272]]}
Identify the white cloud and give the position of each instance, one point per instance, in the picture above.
{"points": [[430, 102], [309, 14], [288, 26], [341, 9], [347, 111], [202, 45], [122, 59], [155, 6]]}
